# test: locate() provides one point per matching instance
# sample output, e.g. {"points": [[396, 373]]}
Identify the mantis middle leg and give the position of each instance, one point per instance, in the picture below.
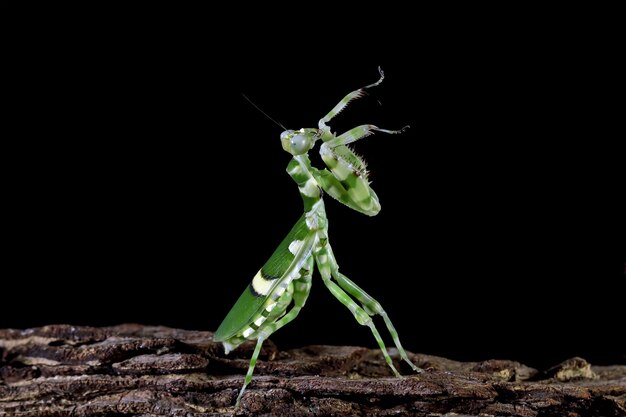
{"points": [[301, 290]]}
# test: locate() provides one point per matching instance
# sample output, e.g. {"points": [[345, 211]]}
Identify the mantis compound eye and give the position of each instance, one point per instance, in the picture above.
{"points": [[300, 144]]}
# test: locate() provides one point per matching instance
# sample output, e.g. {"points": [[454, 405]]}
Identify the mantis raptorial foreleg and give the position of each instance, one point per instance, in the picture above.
{"points": [[347, 99], [347, 179], [359, 132]]}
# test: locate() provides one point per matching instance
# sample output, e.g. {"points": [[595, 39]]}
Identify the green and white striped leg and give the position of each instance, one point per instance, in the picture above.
{"points": [[301, 289], [370, 305], [347, 99], [361, 198], [360, 132], [373, 307], [248, 378], [347, 179], [325, 265]]}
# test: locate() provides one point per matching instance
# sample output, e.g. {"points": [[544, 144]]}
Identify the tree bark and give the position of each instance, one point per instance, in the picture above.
{"points": [[134, 370]]}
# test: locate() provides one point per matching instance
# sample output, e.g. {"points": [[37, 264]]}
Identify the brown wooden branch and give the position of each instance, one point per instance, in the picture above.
{"points": [[134, 370]]}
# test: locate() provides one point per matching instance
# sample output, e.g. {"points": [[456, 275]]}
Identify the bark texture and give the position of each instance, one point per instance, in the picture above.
{"points": [[134, 370]]}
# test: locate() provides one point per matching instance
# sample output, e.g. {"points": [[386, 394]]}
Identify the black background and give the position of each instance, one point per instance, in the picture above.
{"points": [[144, 188]]}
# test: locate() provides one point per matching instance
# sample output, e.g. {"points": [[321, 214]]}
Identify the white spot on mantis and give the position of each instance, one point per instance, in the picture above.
{"points": [[312, 219], [270, 307], [248, 332], [296, 170], [228, 347], [261, 285], [310, 188], [295, 246], [324, 270], [341, 171], [311, 222], [280, 291], [258, 322]]}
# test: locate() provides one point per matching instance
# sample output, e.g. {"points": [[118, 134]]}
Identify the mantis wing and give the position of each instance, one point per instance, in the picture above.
{"points": [[282, 267]]}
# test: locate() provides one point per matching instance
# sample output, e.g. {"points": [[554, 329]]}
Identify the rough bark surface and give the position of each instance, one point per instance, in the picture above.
{"points": [[134, 370]]}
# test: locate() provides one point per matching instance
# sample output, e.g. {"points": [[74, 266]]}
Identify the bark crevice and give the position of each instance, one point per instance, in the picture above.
{"points": [[134, 370]]}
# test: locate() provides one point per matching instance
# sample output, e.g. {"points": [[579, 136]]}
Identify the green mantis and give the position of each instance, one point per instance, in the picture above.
{"points": [[280, 289]]}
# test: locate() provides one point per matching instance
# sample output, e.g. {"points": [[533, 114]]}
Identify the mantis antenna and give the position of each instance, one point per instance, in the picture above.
{"points": [[259, 109]]}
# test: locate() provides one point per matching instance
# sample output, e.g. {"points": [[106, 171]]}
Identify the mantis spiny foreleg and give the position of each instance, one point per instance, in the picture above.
{"points": [[347, 99], [357, 133]]}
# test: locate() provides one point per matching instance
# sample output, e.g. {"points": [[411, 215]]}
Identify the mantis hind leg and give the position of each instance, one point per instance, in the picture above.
{"points": [[370, 305], [326, 265], [301, 289]]}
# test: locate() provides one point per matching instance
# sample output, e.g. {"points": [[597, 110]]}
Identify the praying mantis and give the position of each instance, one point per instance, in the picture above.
{"points": [[266, 304]]}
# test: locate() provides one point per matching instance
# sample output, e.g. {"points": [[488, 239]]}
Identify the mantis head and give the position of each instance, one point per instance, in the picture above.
{"points": [[299, 142]]}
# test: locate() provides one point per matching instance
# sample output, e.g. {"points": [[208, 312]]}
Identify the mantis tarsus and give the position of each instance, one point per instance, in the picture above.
{"points": [[264, 306]]}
